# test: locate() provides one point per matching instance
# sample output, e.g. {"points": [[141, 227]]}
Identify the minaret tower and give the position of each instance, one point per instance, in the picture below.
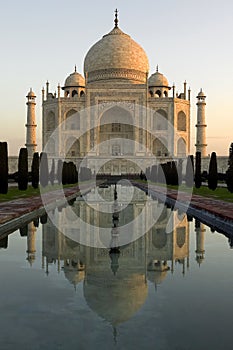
{"points": [[31, 123], [31, 243], [201, 125], [200, 241]]}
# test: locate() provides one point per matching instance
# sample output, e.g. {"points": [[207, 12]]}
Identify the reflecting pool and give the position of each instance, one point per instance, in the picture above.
{"points": [[171, 288]]}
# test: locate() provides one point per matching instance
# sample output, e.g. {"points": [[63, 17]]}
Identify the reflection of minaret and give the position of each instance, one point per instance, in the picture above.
{"points": [[200, 241], [31, 243], [31, 124]]}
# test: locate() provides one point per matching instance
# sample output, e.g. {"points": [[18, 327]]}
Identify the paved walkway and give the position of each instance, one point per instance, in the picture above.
{"points": [[18, 207], [214, 206]]}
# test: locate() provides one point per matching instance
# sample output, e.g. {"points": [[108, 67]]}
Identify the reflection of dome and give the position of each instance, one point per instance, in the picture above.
{"points": [[158, 80], [75, 80], [73, 275], [157, 277], [116, 56], [115, 298]]}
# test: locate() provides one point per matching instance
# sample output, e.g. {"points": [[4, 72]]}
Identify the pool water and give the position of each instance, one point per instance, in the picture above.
{"points": [[165, 289]]}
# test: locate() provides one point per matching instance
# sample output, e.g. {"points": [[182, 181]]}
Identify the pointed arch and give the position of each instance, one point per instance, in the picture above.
{"points": [[181, 147], [180, 236], [160, 147], [160, 120], [181, 121], [72, 147], [50, 121], [74, 122], [159, 238], [116, 131]]}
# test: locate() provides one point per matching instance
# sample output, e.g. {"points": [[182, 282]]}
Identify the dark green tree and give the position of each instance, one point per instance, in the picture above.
{"points": [[213, 172], [229, 172], [23, 169], [198, 170], [3, 168], [59, 171], [44, 169], [189, 177], [52, 173], [35, 170]]}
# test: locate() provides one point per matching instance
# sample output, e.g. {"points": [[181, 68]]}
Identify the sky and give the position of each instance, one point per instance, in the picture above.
{"points": [[189, 40]]}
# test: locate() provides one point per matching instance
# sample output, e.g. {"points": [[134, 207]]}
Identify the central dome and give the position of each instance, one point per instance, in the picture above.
{"points": [[116, 56]]}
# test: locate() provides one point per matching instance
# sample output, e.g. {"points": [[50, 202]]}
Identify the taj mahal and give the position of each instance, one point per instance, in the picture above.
{"points": [[116, 114]]}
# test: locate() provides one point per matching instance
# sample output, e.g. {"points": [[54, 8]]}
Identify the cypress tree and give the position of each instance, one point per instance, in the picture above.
{"points": [[198, 170], [23, 169], [65, 173], [189, 172], [180, 174], [59, 171], [229, 172], [44, 169], [3, 168], [35, 170], [52, 173], [213, 172]]}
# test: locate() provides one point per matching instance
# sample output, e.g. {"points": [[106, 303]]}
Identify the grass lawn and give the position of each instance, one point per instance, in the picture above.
{"points": [[14, 193]]}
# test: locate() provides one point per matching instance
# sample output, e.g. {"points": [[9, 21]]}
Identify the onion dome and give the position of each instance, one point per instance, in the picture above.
{"points": [[116, 56], [158, 80], [75, 80], [31, 94]]}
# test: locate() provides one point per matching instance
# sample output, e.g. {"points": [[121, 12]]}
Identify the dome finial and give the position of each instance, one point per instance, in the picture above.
{"points": [[116, 19], [157, 68], [75, 69]]}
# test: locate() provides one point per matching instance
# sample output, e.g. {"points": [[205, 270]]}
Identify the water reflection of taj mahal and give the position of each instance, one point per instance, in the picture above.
{"points": [[116, 285]]}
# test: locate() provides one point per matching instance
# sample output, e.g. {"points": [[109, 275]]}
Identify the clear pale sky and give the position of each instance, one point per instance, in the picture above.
{"points": [[189, 40]]}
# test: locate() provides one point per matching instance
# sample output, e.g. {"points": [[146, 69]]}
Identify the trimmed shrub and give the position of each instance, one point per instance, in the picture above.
{"points": [[189, 177], [44, 169], [35, 170], [23, 169], [59, 171], [3, 168], [229, 172], [52, 173], [198, 170], [213, 172]]}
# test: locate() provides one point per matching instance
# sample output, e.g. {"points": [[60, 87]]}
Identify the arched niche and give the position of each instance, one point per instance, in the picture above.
{"points": [[160, 120], [72, 147], [160, 147], [181, 147], [180, 236], [181, 121], [72, 120], [50, 121], [159, 237], [74, 93]]}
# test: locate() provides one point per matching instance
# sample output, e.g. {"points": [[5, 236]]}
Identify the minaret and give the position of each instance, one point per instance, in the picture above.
{"points": [[31, 123], [201, 125], [31, 243], [200, 241]]}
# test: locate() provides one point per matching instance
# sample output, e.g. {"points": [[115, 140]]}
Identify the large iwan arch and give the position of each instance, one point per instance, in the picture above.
{"points": [[116, 132]]}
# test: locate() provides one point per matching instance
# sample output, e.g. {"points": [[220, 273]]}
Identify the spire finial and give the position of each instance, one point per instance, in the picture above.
{"points": [[75, 69], [157, 68], [116, 19]]}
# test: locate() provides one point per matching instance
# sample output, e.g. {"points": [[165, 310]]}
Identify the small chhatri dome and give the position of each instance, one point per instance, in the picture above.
{"points": [[201, 94], [31, 93], [116, 56], [75, 80], [158, 80]]}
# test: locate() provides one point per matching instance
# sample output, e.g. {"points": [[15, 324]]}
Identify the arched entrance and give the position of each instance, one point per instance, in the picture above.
{"points": [[116, 133]]}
